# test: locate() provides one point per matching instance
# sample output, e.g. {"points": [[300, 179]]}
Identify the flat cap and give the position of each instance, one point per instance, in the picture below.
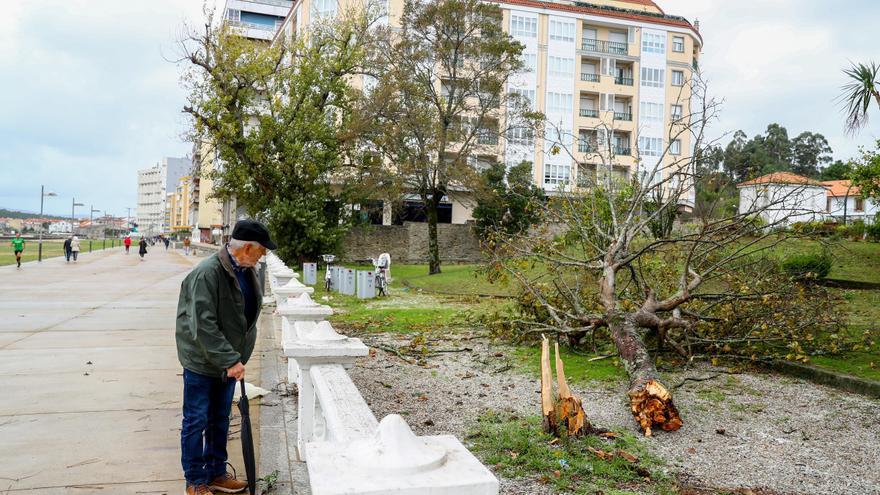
{"points": [[252, 230]]}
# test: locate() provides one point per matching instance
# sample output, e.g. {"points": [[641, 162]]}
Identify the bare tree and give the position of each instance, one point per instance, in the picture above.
{"points": [[603, 262]]}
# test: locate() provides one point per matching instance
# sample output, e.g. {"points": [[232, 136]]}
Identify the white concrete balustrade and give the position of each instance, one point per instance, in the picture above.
{"points": [[346, 450]]}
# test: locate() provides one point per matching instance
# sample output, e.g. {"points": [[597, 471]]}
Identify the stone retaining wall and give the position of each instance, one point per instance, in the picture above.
{"points": [[408, 243]]}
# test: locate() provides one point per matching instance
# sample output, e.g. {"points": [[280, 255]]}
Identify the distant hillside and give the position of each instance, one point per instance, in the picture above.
{"points": [[4, 213]]}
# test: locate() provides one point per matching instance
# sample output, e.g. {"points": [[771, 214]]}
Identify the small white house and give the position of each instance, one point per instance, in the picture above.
{"points": [[59, 227], [844, 203], [783, 198]]}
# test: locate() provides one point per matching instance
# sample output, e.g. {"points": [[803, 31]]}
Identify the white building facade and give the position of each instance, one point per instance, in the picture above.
{"points": [[782, 198], [153, 186], [845, 204]]}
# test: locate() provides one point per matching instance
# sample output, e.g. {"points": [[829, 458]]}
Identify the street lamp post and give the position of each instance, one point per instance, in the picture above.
{"points": [[73, 206], [43, 194]]}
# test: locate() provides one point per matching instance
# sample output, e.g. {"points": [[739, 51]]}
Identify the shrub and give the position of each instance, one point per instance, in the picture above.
{"points": [[857, 230], [873, 232], [808, 265]]}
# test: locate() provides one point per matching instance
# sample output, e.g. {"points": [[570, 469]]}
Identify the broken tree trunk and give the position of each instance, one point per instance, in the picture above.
{"points": [[650, 401], [565, 415]]}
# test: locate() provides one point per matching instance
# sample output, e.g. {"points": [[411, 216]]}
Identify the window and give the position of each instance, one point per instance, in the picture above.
{"points": [[530, 62], [676, 112], [828, 205], [653, 43], [860, 204], [649, 146], [233, 15], [562, 31], [651, 111], [521, 136], [556, 174], [560, 67], [653, 78], [526, 96], [324, 8], [677, 78], [678, 44], [675, 147], [559, 103], [524, 26]]}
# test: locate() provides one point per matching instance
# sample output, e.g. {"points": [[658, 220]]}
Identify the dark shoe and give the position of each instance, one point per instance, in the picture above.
{"points": [[228, 484], [198, 490]]}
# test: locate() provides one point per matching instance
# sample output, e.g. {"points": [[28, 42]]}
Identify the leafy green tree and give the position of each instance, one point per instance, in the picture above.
{"points": [[836, 171], [863, 86], [778, 147], [442, 81], [810, 152], [866, 174], [508, 199], [278, 118]]}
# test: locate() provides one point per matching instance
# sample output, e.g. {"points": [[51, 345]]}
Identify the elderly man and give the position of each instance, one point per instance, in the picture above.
{"points": [[216, 331]]}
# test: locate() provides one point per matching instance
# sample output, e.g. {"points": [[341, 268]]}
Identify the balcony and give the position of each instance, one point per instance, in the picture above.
{"points": [[487, 139], [586, 112], [589, 77], [623, 81], [621, 149], [602, 46], [586, 146], [623, 116]]}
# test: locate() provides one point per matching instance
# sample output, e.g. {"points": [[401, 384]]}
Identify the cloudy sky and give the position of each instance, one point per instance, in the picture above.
{"points": [[87, 96]]}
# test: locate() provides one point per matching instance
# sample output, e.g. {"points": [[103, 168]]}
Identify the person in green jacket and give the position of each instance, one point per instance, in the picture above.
{"points": [[217, 314], [18, 247]]}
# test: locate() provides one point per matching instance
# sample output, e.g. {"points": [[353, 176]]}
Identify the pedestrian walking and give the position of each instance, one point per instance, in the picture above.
{"points": [[67, 251], [217, 315], [17, 247], [127, 242], [142, 248], [74, 247], [167, 242], [186, 242]]}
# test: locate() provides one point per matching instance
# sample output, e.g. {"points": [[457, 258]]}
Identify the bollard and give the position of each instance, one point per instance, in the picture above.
{"points": [[104, 243], [90, 245]]}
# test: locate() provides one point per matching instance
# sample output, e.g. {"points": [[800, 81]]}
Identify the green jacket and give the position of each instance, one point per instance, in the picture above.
{"points": [[212, 331]]}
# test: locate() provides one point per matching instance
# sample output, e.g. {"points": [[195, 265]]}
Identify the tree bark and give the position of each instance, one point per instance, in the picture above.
{"points": [[431, 207], [650, 401]]}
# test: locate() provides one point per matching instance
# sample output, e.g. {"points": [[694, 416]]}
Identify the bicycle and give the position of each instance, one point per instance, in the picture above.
{"points": [[382, 265]]}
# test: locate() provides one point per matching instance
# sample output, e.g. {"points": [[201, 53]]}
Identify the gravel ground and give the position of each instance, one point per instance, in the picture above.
{"points": [[766, 433]]}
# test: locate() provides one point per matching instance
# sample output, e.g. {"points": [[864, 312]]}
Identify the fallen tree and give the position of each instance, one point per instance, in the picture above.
{"points": [[606, 263]]}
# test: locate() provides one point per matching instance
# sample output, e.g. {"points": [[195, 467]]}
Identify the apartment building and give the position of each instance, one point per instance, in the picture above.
{"points": [[256, 19], [153, 186], [611, 76]]}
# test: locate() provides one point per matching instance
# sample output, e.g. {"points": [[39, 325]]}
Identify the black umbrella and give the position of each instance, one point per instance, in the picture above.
{"points": [[247, 441]]}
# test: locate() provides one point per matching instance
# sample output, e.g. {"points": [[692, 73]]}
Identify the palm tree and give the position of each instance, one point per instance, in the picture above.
{"points": [[858, 92]]}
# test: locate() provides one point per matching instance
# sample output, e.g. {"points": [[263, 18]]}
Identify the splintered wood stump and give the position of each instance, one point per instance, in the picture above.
{"points": [[563, 416], [652, 406]]}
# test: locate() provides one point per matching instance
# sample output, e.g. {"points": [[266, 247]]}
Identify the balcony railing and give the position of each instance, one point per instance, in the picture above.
{"points": [[487, 139], [602, 46], [252, 25], [586, 112], [589, 77], [623, 116], [586, 147], [620, 149], [623, 81]]}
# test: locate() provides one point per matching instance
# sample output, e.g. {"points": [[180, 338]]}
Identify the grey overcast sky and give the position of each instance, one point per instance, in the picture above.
{"points": [[87, 98]]}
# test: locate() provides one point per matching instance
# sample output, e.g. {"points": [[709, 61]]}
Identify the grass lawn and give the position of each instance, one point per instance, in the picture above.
{"points": [[517, 447], [51, 248]]}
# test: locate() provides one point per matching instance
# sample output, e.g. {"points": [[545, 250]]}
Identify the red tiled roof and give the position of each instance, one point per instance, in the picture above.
{"points": [[840, 188], [781, 178], [583, 9]]}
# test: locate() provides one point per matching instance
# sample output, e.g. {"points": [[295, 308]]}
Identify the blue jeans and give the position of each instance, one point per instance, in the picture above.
{"points": [[207, 402]]}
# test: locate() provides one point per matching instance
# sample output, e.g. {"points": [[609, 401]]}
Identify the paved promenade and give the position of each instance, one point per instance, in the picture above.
{"points": [[90, 385]]}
